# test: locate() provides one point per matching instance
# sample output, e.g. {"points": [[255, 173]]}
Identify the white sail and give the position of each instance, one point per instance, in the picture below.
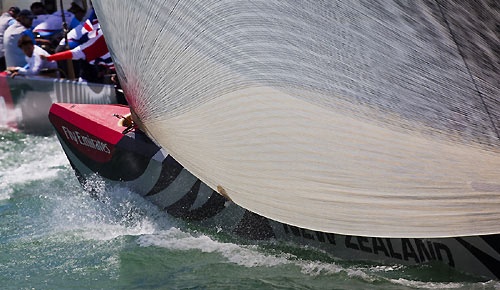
{"points": [[373, 118]]}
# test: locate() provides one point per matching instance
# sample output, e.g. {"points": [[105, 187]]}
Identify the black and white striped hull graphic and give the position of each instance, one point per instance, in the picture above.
{"points": [[164, 182]]}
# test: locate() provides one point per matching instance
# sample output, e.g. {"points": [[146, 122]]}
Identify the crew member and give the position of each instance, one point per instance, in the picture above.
{"points": [[6, 19], [52, 24], [14, 56], [38, 9], [33, 58]]}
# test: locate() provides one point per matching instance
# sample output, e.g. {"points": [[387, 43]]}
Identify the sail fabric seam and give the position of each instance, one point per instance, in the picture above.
{"points": [[473, 80]]}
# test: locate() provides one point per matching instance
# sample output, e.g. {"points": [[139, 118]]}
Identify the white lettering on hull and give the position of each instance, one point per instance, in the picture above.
{"points": [[81, 139]]}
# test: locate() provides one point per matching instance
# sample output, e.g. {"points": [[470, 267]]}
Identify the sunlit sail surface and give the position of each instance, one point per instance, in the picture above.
{"points": [[370, 118]]}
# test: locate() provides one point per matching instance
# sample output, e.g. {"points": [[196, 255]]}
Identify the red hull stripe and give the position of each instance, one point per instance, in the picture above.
{"points": [[7, 100], [97, 120]]}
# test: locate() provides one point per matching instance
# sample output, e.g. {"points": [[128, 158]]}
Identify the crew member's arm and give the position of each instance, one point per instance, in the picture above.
{"points": [[13, 68], [75, 53], [34, 68], [17, 70], [24, 70]]}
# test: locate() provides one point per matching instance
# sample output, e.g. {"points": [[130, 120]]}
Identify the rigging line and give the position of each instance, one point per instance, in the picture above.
{"points": [[453, 37], [174, 7]]}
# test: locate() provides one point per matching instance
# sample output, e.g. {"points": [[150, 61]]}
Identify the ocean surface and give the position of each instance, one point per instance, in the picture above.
{"points": [[54, 235]]}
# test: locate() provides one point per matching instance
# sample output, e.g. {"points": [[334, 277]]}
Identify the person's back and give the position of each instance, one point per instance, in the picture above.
{"points": [[52, 24], [38, 9], [5, 18], [13, 54], [40, 18], [5, 21]]}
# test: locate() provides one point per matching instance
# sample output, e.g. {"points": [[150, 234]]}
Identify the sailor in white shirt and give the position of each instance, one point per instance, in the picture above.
{"points": [[6, 19], [34, 62]]}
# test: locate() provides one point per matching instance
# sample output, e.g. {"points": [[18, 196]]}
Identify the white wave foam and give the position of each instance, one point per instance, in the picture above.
{"points": [[4, 196], [243, 255], [35, 171], [427, 285], [38, 158], [386, 268], [5, 192], [247, 256]]}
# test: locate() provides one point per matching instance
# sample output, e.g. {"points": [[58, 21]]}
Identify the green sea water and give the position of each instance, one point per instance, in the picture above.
{"points": [[53, 235]]}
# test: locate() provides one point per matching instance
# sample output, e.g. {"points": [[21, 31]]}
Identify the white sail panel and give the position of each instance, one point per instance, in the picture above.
{"points": [[372, 119]]}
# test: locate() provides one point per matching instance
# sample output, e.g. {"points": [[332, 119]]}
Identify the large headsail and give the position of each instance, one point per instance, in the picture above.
{"points": [[371, 118]]}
